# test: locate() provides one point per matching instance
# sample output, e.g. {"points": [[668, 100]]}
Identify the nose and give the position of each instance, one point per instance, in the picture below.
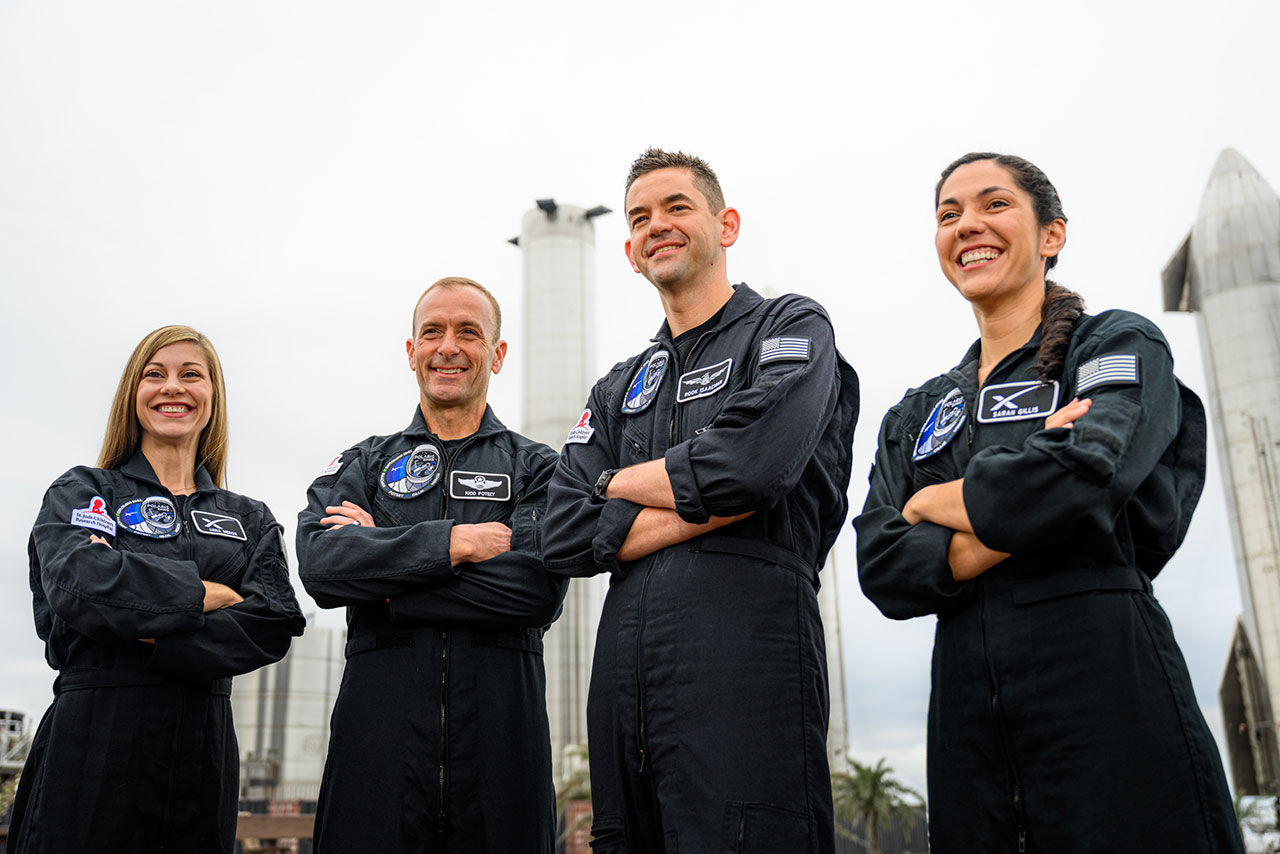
{"points": [[171, 386], [658, 223], [969, 223], [448, 343]]}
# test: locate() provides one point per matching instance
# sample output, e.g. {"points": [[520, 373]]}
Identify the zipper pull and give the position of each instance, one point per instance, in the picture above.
{"points": [[1022, 841], [641, 761]]}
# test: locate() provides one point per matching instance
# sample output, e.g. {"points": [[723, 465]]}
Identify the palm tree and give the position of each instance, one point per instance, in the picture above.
{"points": [[871, 794]]}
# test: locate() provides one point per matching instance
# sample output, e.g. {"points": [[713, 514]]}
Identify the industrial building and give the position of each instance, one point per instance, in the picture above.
{"points": [[1227, 272]]}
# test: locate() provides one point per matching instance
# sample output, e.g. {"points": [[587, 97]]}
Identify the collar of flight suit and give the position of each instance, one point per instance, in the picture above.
{"points": [[742, 301], [138, 468], [489, 425]]}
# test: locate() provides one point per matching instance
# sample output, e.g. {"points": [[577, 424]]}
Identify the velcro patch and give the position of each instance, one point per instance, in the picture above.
{"points": [[95, 516], [582, 432], [1113, 369], [703, 382], [479, 486], [153, 516], [217, 525], [1017, 401], [942, 425], [784, 350]]}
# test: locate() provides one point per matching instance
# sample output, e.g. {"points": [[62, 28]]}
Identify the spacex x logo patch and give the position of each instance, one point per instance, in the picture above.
{"points": [[1017, 401], [217, 525]]}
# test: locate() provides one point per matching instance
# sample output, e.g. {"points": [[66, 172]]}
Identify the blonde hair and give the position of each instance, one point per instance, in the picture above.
{"points": [[123, 433]]}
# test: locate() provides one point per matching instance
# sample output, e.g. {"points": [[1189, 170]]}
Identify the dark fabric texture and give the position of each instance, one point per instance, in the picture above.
{"points": [[708, 705], [137, 752], [1062, 717], [439, 740]]}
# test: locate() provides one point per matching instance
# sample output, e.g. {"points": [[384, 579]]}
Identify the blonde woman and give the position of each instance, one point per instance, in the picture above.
{"points": [[152, 587]]}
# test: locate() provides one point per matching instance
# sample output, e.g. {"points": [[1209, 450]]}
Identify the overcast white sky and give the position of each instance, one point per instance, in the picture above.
{"points": [[287, 176]]}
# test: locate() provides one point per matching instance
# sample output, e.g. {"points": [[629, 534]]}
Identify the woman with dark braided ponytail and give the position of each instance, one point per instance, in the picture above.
{"points": [[1027, 497]]}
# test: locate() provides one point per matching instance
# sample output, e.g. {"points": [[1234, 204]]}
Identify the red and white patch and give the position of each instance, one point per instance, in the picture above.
{"points": [[95, 516], [332, 468], [582, 433]]}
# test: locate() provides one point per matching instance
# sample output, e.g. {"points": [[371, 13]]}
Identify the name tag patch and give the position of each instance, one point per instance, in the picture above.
{"points": [[1114, 369], [582, 432], [217, 525], [644, 385], [153, 517], [412, 473], [704, 382], [784, 350], [1017, 401], [941, 426], [479, 486], [95, 516]]}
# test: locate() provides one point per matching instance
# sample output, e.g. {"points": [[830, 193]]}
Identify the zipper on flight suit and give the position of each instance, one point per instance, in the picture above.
{"points": [[441, 813], [1019, 808]]}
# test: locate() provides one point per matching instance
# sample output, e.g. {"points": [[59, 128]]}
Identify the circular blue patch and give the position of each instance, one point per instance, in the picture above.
{"points": [[644, 385], [154, 516], [412, 473], [941, 426]]}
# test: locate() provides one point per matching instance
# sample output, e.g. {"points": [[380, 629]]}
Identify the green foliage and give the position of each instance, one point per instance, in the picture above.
{"points": [[871, 794]]}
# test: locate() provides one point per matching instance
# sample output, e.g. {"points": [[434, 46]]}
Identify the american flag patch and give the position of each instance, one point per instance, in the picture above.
{"points": [[1116, 369], [783, 350]]}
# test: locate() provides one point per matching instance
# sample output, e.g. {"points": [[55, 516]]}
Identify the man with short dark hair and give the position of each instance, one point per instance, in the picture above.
{"points": [[431, 539], [708, 475]]}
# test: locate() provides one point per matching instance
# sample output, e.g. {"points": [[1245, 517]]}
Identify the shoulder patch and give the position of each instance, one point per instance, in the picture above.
{"points": [[704, 382], [332, 468], [783, 350], [95, 516], [412, 473], [1112, 369], [644, 385], [1017, 401], [479, 486], [217, 525], [154, 517], [582, 432], [941, 426]]}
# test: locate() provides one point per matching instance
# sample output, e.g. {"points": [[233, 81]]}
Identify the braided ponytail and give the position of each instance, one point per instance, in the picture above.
{"points": [[1062, 308]]}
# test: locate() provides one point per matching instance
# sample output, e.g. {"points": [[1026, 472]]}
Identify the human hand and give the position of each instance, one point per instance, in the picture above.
{"points": [[218, 596], [347, 513], [1067, 415], [94, 538], [475, 543]]}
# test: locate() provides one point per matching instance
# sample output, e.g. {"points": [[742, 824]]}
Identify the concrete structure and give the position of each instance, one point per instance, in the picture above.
{"points": [[1227, 271], [558, 245], [828, 603], [282, 717]]}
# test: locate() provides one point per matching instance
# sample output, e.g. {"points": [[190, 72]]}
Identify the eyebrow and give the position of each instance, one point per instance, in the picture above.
{"points": [[950, 200], [674, 197], [184, 364]]}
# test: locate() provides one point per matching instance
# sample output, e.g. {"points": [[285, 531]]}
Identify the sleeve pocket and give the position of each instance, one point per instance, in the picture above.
{"points": [[526, 529]]}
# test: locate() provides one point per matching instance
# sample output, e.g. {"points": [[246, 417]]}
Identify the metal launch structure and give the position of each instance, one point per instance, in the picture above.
{"points": [[1227, 272]]}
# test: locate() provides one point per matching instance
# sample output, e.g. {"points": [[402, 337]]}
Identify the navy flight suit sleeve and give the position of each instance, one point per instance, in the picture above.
{"points": [[1062, 482], [583, 534], [759, 444], [903, 568], [350, 564], [108, 594], [511, 589], [244, 636]]}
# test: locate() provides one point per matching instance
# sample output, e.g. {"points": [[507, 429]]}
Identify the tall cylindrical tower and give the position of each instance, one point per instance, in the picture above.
{"points": [[1228, 272], [558, 244]]}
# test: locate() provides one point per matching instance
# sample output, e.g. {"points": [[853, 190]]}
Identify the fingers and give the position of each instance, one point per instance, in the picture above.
{"points": [[94, 538], [347, 513], [1068, 414]]}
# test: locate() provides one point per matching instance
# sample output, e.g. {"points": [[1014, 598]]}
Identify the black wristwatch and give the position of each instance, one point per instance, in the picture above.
{"points": [[602, 483]]}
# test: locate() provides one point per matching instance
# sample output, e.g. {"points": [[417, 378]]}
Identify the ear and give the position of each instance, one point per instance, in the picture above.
{"points": [[730, 223], [499, 354], [1052, 238], [408, 349], [629, 258]]}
